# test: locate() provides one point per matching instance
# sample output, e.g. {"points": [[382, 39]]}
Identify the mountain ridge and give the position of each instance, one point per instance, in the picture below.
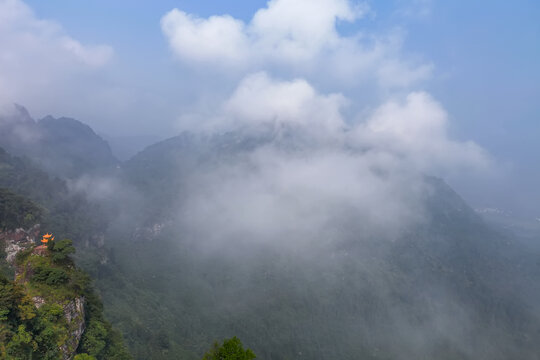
{"points": [[445, 286], [62, 146]]}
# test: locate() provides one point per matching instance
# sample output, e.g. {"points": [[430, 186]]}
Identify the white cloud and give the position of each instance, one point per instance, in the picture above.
{"points": [[395, 74], [329, 178], [37, 57], [261, 100], [196, 39], [410, 132], [295, 35], [415, 8], [417, 129], [22, 33], [90, 55], [299, 41], [285, 30], [296, 198], [299, 30]]}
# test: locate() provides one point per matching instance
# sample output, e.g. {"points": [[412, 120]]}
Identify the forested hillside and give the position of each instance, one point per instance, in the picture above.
{"points": [[437, 289], [49, 310], [64, 147], [269, 180], [440, 285], [66, 212]]}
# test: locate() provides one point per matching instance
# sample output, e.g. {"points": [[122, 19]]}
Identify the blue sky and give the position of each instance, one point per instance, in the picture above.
{"points": [[484, 58], [486, 53]]}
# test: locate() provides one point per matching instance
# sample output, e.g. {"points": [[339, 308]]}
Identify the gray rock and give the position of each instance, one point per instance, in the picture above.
{"points": [[74, 313]]}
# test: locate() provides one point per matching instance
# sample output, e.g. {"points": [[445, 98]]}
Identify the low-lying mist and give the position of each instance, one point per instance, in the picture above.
{"points": [[280, 164], [289, 223], [279, 214], [303, 199]]}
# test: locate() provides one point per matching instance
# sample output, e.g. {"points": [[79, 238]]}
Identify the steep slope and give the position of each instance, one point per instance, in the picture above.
{"points": [[72, 148], [50, 311], [65, 147], [434, 293], [445, 287], [163, 169], [66, 212], [17, 210]]}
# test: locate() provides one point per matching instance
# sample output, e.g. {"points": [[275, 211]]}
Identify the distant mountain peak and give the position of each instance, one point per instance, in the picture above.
{"points": [[63, 146], [22, 111], [12, 114]]}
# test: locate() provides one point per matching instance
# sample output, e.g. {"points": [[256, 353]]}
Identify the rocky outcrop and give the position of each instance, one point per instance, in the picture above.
{"points": [[12, 249], [17, 240], [38, 301], [74, 313], [147, 233], [75, 319]]}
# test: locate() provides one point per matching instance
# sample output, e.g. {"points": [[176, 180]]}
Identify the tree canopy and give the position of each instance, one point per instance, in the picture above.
{"points": [[231, 349]]}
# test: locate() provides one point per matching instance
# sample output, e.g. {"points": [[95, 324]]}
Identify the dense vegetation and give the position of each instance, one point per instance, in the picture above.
{"points": [[16, 210], [27, 331], [362, 297], [64, 147], [231, 349], [67, 213], [445, 289], [30, 332]]}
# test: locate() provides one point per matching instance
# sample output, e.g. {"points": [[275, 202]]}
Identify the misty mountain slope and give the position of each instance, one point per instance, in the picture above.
{"points": [[427, 296], [67, 212], [64, 147], [125, 147], [408, 273], [86, 150], [296, 177], [49, 307], [165, 167], [387, 265], [21, 175]]}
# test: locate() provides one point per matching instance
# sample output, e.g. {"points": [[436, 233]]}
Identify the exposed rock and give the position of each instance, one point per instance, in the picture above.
{"points": [[20, 234], [18, 240], [74, 313], [99, 240], [41, 250], [12, 248], [148, 232], [38, 301]]}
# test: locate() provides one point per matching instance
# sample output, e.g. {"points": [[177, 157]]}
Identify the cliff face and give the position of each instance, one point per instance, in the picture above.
{"points": [[50, 310], [17, 240], [72, 321], [63, 146], [74, 314]]}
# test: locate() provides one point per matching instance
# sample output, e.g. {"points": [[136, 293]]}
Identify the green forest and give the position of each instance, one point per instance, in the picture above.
{"points": [[28, 332]]}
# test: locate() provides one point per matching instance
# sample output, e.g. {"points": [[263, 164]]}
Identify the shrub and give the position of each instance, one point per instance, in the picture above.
{"points": [[231, 349]]}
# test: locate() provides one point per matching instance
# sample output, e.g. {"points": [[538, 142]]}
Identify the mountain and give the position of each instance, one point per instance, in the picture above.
{"points": [[125, 147], [445, 287], [62, 146], [522, 226], [193, 250], [49, 310], [65, 211], [164, 168]]}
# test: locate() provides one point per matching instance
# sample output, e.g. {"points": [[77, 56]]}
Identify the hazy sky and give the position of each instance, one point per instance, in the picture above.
{"points": [[141, 67]]}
